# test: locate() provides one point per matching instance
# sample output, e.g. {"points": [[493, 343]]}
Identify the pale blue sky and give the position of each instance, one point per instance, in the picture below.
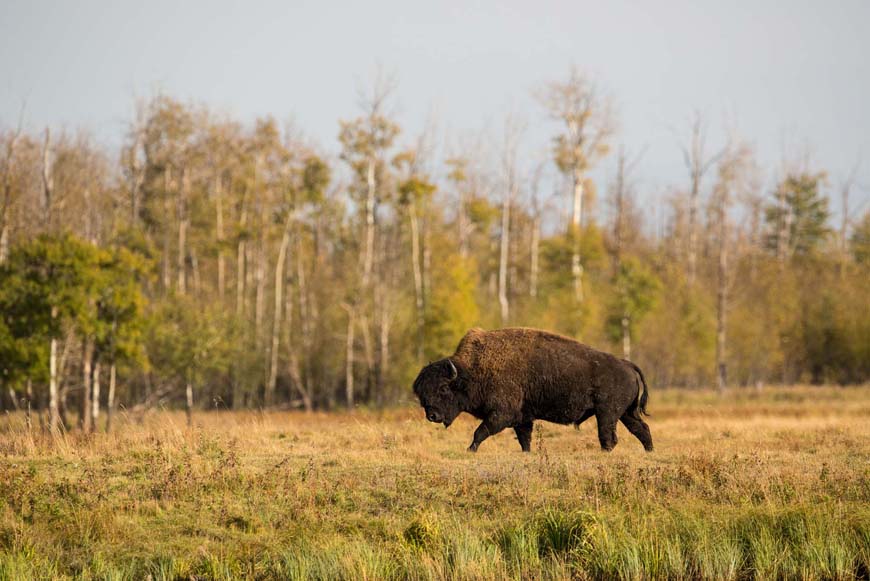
{"points": [[792, 73]]}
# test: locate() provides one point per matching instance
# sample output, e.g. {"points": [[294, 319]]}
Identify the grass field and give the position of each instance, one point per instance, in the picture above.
{"points": [[747, 486]]}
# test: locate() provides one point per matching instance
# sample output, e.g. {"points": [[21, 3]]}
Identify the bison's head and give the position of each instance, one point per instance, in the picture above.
{"points": [[439, 388]]}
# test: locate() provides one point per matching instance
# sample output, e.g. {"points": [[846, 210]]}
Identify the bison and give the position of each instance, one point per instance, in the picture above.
{"points": [[508, 378]]}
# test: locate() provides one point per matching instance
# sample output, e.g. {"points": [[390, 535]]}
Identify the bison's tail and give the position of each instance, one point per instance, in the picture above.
{"points": [[642, 392]]}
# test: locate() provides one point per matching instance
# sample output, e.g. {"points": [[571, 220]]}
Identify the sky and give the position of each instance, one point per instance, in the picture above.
{"points": [[791, 77]]}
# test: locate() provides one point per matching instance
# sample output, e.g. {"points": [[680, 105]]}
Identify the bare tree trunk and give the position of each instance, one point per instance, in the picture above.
{"points": [[844, 224], [693, 232], [619, 193], [110, 400], [87, 377], [721, 303], [47, 179], [95, 400], [260, 297], [53, 408], [626, 337], [181, 265], [276, 321], [28, 419], [219, 238], [7, 195], [427, 264], [4, 235], [503, 255], [384, 351], [303, 388], [167, 274], [418, 277], [188, 392], [721, 291], [576, 221], [509, 157], [697, 165], [307, 315], [535, 253], [137, 177], [240, 264], [348, 368], [307, 307], [368, 257], [368, 353]]}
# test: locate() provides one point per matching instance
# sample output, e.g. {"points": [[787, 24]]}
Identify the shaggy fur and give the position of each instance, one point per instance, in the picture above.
{"points": [[511, 377]]}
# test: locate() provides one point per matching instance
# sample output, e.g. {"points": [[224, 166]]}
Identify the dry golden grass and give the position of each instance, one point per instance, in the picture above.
{"points": [[750, 485]]}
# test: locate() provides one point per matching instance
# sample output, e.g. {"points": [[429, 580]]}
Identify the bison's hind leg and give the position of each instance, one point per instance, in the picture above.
{"points": [[606, 431], [639, 428], [524, 435]]}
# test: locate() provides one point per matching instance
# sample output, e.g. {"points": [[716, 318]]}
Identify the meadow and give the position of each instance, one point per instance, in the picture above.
{"points": [[752, 484]]}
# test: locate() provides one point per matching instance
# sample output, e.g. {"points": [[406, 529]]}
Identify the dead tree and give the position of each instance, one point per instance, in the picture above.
{"points": [[698, 165]]}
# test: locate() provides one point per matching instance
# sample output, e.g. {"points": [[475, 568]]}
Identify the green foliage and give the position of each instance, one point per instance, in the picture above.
{"points": [[188, 343], [119, 307], [676, 340], [636, 290], [315, 179], [452, 309], [803, 216], [45, 285]]}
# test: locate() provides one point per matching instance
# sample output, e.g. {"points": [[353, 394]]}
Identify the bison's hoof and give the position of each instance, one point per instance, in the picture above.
{"points": [[472, 448]]}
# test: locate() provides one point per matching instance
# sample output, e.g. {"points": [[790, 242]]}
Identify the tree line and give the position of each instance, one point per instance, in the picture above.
{"points": [[217, 264]]}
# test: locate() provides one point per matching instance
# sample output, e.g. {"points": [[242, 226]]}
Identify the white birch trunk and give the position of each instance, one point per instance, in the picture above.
{"points": [[576, 222], [95, 398], [219, 238], [188, 392], [535, 254], [418, 276], [626, 337], [721, 294], [368, 257], [181, 263], [110, 399], [53, 404], [348, 368], [504, 255], [87, 377], [276, 322]]}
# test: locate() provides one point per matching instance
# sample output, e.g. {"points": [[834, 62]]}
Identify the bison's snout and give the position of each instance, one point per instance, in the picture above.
{"points": [[434, 417]]}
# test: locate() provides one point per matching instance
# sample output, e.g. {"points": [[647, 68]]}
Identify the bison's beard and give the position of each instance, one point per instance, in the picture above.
{"points": [[451, 416]]}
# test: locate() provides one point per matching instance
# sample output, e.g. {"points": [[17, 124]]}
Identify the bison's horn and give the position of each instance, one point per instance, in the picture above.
{"points": [[453, 370]]}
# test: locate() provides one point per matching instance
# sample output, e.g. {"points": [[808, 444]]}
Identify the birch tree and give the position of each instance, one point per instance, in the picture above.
{"points": [[587, 126], [733, 171], [698, 163], [510, 187], [6, 183]]}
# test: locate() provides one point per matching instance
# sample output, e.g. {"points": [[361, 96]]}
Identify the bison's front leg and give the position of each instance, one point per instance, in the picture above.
{"points": [[488, 427], [524, 435]]}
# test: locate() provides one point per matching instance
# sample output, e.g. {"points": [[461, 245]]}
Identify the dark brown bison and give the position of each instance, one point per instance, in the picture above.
{"points": [[511, 377]]}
